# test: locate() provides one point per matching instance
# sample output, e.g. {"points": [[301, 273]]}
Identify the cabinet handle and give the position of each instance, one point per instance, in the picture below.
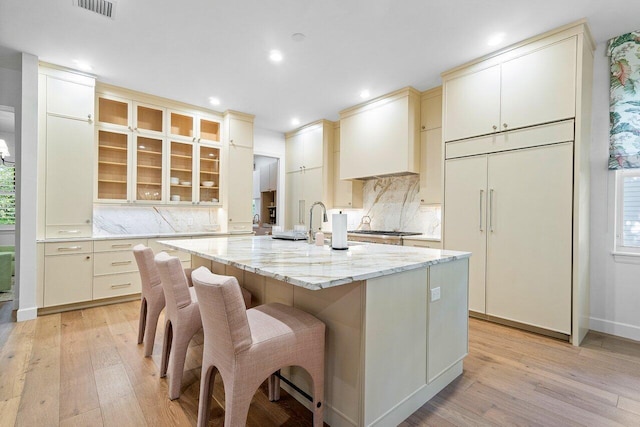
{"points": [[481, 197], [198, 139], [68, 231], [121, 245], [69, 248], [491, 210], [124, 285], [505, 125], [89, 118], [494, 127], [130, 128], [194, 139], [120, 263]]}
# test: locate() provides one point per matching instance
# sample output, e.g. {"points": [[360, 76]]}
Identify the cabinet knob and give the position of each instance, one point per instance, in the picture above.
{"points": [[198, 139], [504, 125], [494, 127], [424, 127], [88, 257], [136, 129], [88, 221], [194, 139], [230, 219], [130, 128], [349, 203], [90, 118]]}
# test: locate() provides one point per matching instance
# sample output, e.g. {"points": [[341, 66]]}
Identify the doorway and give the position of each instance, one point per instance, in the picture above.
{"points": [[7, 205], [265, 194]]}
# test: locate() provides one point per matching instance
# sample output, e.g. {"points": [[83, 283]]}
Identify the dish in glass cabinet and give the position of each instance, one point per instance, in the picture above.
{"points": [[214, 200], [185, 182], [207, 183]]}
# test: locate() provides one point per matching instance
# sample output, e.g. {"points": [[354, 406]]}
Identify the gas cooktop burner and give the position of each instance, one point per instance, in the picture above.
{"points": [[385, 233]]}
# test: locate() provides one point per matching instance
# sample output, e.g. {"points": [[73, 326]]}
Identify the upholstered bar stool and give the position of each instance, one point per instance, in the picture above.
{"points": [[152, 299], [182, 320], [247, 347]]}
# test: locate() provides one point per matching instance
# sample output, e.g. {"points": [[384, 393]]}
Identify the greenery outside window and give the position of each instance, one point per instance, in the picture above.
{"points": [[7, 197], [628, 211]]}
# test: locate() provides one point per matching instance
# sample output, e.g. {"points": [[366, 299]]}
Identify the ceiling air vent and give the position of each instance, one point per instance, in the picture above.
{"points": [[101, 7]]}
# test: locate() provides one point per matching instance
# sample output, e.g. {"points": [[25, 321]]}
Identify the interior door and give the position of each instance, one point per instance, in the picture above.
{"points": [[465, 221], [529, 237]]}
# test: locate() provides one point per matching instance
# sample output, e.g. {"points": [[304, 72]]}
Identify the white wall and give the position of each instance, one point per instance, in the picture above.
{"points": [[615, 286]]}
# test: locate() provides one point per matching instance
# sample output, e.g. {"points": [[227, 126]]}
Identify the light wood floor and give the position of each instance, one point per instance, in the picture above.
{"points": [[84, 368]]}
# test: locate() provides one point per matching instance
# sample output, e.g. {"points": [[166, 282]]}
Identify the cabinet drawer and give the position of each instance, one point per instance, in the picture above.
{"points": [[240, 226], [117, 245], [114, 262], [114, 285], [159, 247], [68, 248], [68, 231], [433, 244], [552, 133]]}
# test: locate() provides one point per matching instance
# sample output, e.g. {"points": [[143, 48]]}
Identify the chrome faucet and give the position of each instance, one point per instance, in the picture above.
{"points": [[324, 219]]}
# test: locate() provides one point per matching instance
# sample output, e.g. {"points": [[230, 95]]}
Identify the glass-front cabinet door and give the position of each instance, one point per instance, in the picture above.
{"points": [[113, 165], [182, 126], [149, 119], [148, 173], [114, 112], [209, 174], [181, 172], [208, 129]]}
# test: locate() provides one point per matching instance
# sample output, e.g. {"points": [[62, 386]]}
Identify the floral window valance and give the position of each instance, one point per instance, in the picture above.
{"points": [[624, 112]]}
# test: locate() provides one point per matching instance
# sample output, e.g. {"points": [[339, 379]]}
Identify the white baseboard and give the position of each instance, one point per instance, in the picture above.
{"points": [[623, 330], [27, 314]]}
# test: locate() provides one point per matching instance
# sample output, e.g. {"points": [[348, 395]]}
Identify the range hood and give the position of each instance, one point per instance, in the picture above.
{"points": [[381, 138]]}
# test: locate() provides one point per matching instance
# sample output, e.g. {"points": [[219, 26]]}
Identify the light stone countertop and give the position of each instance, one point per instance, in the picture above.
{"points": [[310, 266], [148, 236]]}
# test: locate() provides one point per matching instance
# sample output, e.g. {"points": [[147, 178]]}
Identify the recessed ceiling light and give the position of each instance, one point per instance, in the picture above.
{"points": [[496, 39], [275, 55], [295, 121], [365, 94], [82, 65], [298, 37], [214, 101]]}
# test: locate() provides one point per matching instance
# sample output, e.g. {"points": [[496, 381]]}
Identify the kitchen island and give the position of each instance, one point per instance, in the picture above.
{"points": [[396, 317]]}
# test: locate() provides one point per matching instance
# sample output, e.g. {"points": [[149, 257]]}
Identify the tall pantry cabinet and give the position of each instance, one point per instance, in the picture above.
{"points": [[66, 132], [516, 135]]}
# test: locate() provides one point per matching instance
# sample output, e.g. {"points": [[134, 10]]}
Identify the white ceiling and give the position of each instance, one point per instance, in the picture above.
{"points": [[191, 50]]}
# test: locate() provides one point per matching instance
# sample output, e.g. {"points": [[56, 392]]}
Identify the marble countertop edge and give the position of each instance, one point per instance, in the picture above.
{"points": [[147, 236]]}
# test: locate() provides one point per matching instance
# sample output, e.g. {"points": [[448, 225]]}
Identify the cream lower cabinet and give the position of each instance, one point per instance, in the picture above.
{"points": [[68, 272], [513, 211], [421, 243]]}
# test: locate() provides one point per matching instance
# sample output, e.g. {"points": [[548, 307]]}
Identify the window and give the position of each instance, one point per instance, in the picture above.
{"points": [[7, 196], [628, 211]]}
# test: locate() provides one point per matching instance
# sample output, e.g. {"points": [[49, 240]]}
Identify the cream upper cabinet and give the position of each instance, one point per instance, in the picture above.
{"points": [[468, 115], [431, 148], [303, 188], [346, 193], [67, 136], [381, 137], [539, 87], [431, 109], [268, 178], [305, 148], [241, 130], [527, 86], [70, 99]]}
